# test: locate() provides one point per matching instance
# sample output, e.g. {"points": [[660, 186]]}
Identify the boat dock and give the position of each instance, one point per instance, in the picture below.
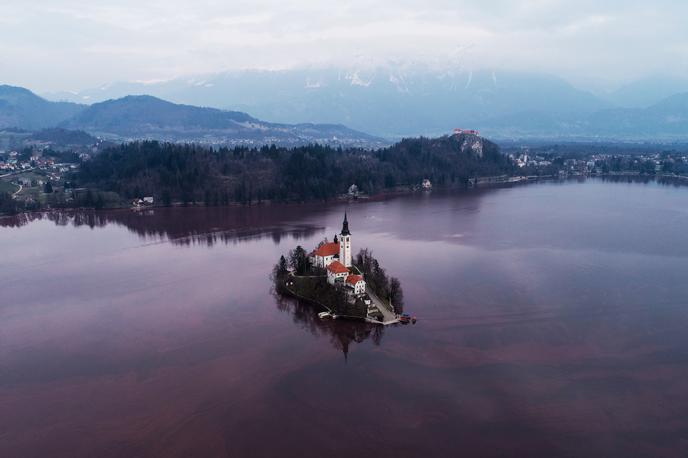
{"points": [[385, 309]]}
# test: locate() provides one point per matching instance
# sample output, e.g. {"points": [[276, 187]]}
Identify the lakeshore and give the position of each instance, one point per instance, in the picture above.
{"points": [[483, 183]]}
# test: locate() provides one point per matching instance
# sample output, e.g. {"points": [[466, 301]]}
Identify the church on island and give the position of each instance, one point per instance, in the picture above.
{"points": [[335, 257]]}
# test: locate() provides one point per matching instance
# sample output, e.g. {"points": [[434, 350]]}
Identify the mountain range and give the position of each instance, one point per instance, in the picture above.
{"points": [[381, 102], [400, 102], [666, 120], [147, 117], [646, 91]]}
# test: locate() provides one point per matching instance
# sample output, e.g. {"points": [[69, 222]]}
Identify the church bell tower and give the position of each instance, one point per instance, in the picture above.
{"points": [[345, 244]]}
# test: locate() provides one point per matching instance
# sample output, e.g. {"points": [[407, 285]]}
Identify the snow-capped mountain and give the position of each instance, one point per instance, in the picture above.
{"points": [[391, 102]]}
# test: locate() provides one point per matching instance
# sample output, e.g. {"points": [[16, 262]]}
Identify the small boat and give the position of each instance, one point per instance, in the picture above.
{"points": [[405, 318], [325, 315]]}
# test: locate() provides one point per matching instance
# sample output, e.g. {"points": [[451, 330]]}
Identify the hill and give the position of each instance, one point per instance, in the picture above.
{"points": [[64, 137], [190, 173], [147, 117], [21, 108], [134, 116]]}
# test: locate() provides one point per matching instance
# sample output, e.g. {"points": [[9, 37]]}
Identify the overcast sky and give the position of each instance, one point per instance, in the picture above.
{"points": [[51, 45]]}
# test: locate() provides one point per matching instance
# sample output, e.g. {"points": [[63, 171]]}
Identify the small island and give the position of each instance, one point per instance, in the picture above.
{"points": [[346, 286]]}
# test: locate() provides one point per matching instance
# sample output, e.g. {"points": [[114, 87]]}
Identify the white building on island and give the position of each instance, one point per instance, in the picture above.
{"points": [[325, 254], [357, 283], [336, 258], [336, 272]]}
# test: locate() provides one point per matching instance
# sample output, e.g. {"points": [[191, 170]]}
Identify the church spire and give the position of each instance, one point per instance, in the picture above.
{"points": [[345, 226]]}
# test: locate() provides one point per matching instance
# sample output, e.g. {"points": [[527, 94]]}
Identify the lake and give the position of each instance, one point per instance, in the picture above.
{"points": [[553, 321]]}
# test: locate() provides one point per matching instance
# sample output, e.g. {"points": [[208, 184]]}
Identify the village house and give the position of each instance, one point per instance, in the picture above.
{"points": [[353, 191], [357, 283], [146, 201]]}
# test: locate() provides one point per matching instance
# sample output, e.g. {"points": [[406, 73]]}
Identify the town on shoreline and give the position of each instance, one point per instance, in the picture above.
{"points": [[143, 174]]}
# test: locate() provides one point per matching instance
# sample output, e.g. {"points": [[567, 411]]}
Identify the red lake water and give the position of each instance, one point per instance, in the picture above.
{"points": [[552, 322]]}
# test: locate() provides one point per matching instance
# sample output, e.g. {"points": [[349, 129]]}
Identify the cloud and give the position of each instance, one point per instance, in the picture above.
{"points": [[86, 43]]}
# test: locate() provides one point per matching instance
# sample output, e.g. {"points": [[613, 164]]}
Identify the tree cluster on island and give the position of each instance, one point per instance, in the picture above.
{"points": [[387, 288], [294, 275]]}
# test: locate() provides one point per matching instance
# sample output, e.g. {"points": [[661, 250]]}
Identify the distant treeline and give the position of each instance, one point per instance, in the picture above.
{"points": [[191, 173], [577, 150], [10, 206], [65, 137]]}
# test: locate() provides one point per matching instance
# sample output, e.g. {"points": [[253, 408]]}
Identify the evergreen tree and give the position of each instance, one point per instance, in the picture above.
{"points": [[396, 295], [282, 265], [190, 173], [298, 260]]}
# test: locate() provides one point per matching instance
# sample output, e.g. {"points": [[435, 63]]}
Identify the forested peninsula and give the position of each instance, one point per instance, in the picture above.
{"points": [[189, 174]]}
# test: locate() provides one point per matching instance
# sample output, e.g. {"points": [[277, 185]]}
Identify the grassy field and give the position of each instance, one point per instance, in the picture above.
{"points": [[6, 186]]}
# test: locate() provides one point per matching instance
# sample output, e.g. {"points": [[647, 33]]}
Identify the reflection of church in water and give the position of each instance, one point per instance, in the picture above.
{"points": [[340, 333]]}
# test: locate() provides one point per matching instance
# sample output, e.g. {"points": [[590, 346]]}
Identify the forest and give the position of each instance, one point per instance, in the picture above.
{"points": [[187, 173]]}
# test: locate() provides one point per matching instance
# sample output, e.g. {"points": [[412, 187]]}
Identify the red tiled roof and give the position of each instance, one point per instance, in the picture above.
{"points": [[337, 268], [353, 279], [328, 249]]}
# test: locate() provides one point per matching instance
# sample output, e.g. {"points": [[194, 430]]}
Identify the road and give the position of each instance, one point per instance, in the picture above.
{"points": [[14, 195], [384, 308], [18, 172]]}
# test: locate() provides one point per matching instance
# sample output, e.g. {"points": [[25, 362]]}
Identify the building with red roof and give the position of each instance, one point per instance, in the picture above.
{"points": [[337, 267], [338, 250], [336, 271], [356, 282], [325, 254], [328, 249], [336, 258], [466, 132]]}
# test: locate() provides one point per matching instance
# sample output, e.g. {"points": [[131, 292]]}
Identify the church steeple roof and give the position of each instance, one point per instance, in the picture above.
{"points": [[345, 226]]}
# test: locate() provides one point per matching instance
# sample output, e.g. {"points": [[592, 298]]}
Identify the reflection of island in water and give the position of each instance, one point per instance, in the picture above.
{"points": [[185, 226], [342, 333]]}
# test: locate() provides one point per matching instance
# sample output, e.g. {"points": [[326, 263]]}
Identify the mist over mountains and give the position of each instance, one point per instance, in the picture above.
{"points": [[302, 106], [383, 102], [647, 91], [397, 103]]}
